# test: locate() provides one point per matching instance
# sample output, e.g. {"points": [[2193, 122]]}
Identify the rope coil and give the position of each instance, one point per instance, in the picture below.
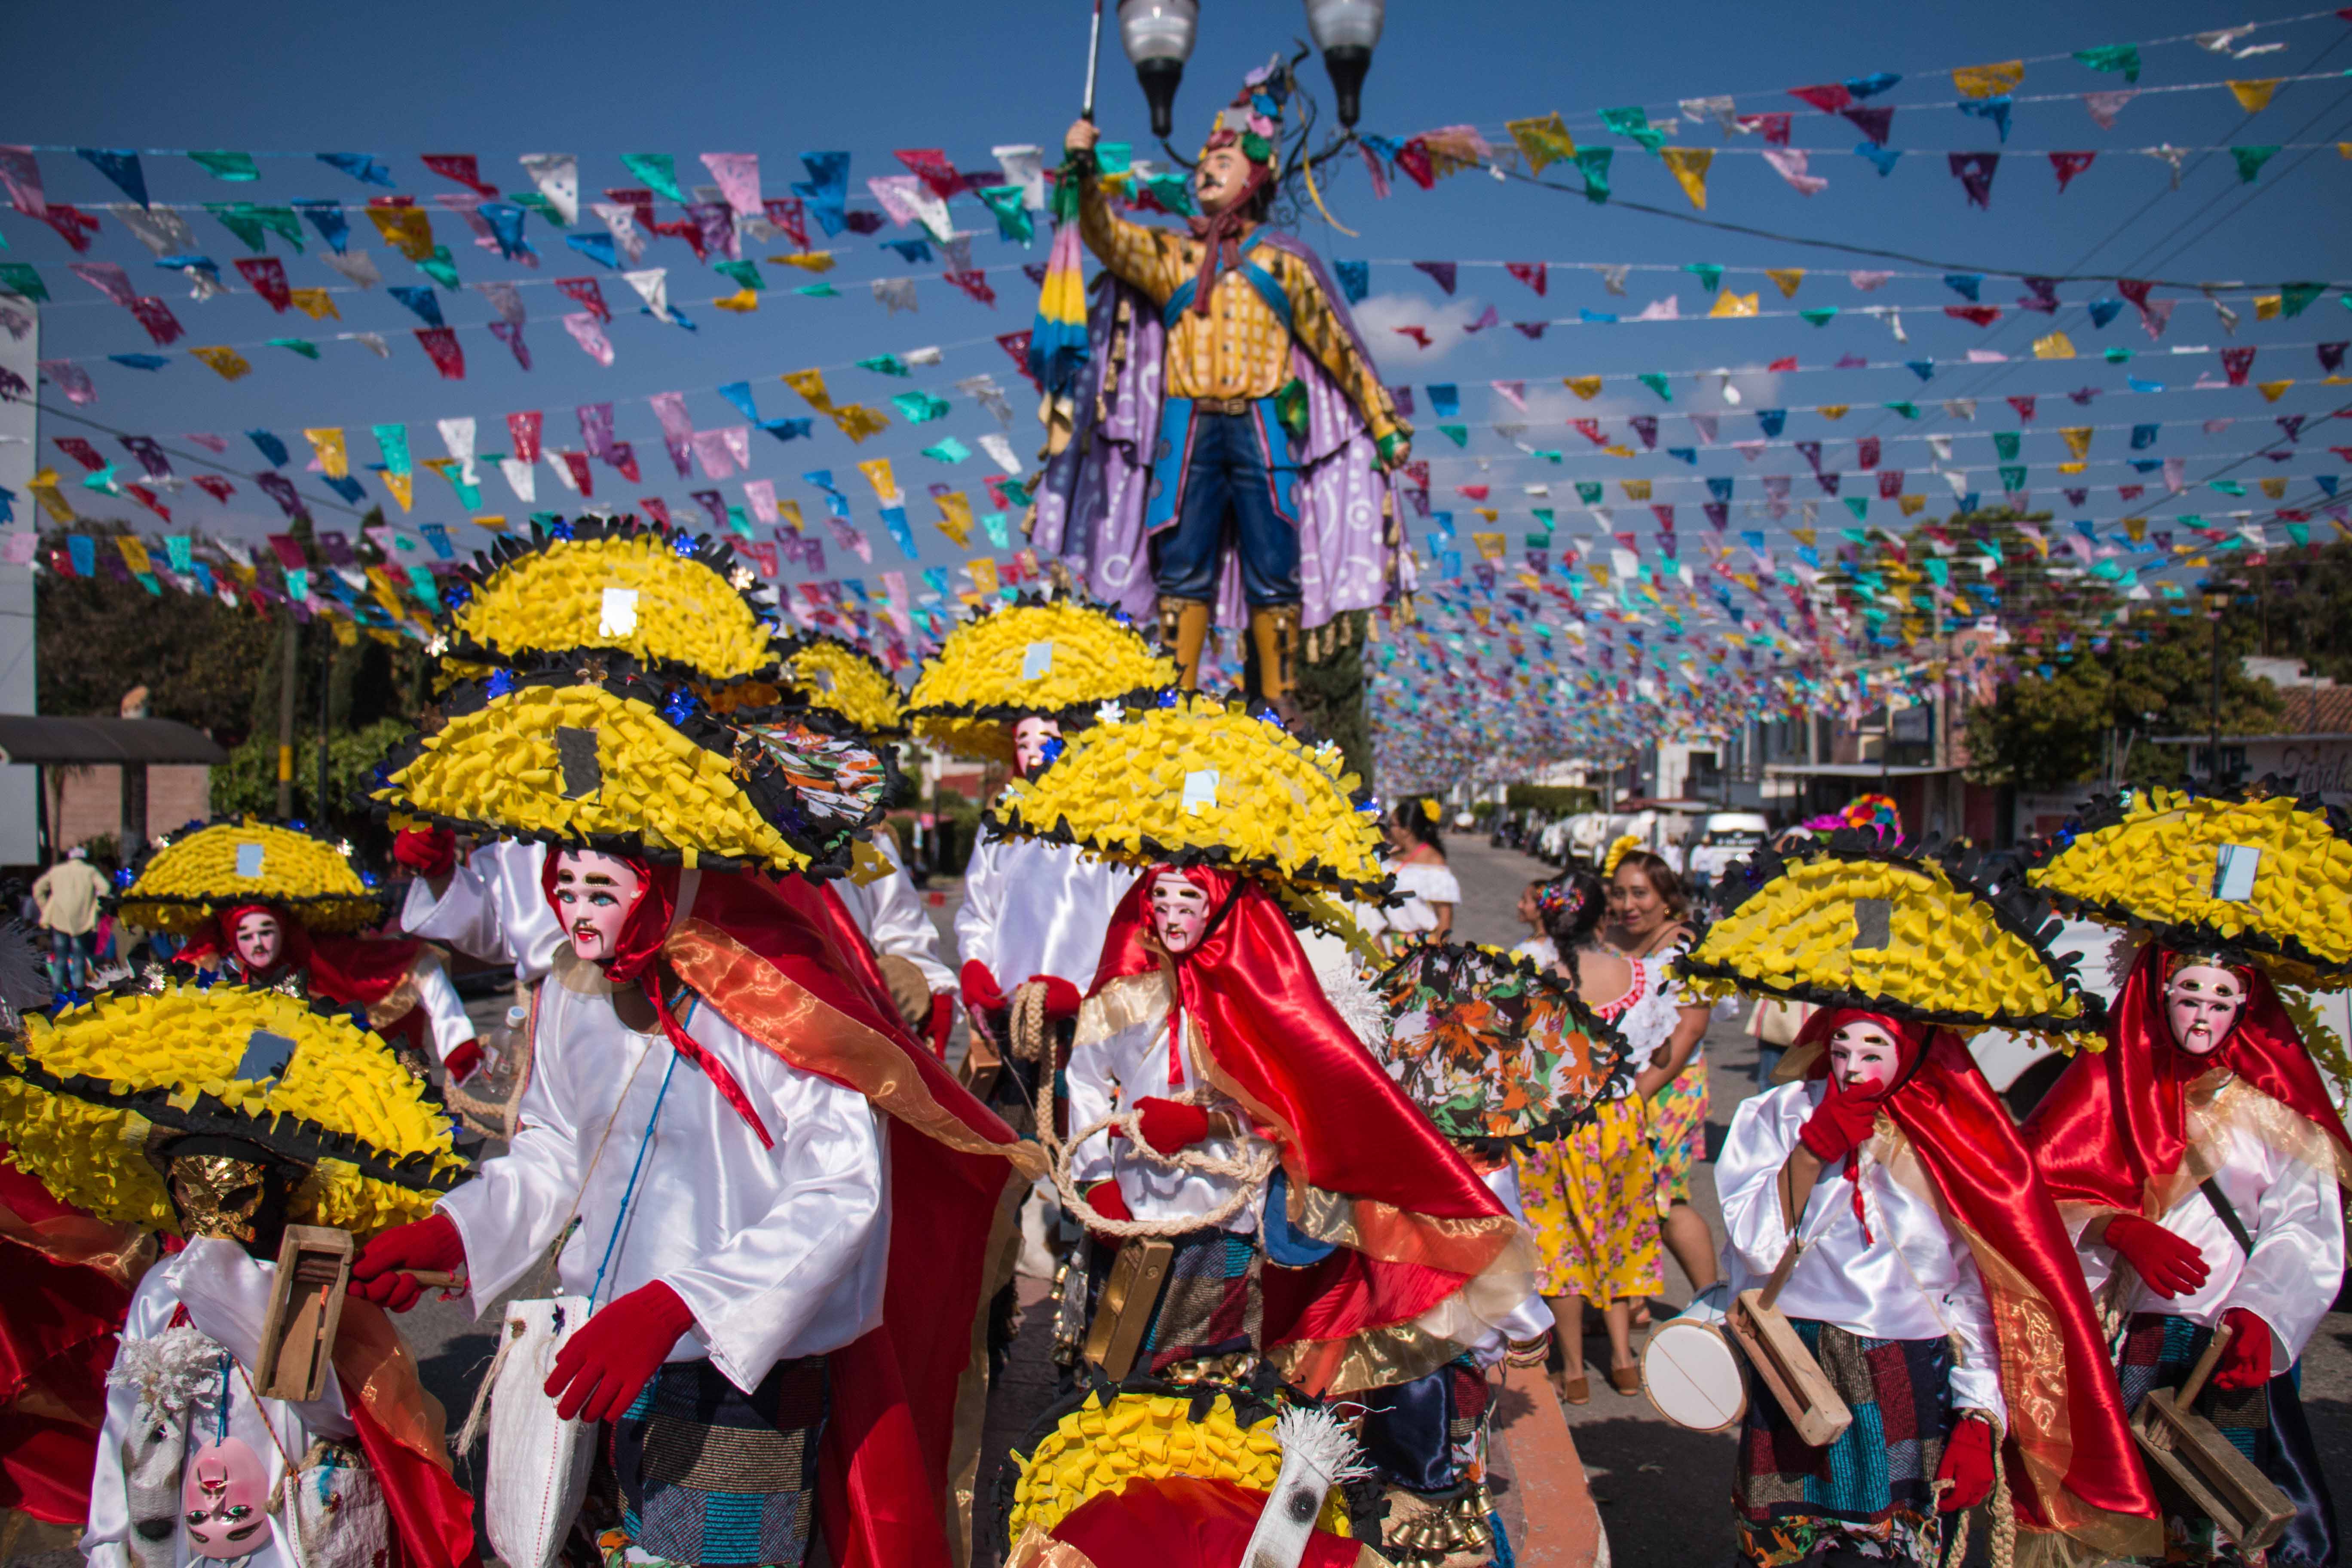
{"points": [[1249, 1173]]}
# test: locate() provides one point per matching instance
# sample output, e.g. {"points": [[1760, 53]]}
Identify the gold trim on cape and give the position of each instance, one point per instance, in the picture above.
{"points": [[2032, 1372], [779, 1013]]}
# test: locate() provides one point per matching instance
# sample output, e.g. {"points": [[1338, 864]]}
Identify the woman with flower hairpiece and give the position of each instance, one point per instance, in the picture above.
{"points": [[1589, 1193]]}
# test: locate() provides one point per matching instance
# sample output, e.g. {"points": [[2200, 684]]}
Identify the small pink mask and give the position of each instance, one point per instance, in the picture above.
{"points": [[1033, 741], [259, 941], [224, 1501]]}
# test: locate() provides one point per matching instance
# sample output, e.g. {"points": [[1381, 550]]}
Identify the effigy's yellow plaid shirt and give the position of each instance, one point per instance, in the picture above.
{"points": [[1240, 349]]}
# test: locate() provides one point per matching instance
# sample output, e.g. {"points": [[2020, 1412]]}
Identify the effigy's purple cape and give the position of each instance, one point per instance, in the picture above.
{"points": [[1092, 498]]}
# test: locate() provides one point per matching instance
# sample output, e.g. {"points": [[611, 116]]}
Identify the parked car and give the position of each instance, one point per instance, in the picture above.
{"points": [[1721, 840]]}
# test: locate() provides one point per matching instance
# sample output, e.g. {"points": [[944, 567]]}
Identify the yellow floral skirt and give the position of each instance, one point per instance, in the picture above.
{"points": [[1592, 1200], [1678, 1133]]}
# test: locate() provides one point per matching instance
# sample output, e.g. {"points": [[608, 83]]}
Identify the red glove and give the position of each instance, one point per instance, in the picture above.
{"points": [[461, 1062], [980, 992], [1109, 1203], [2169, 1265], [2246, 1361], [430, 1243], [601, 1369], [427, 851], [1062, 998], [1169, 1125], [1967, 1465], [1839, 1125]]}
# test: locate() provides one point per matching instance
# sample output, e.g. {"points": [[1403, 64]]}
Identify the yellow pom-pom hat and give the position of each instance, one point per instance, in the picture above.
{"points": [[1060, 657], [1192, 779], [191, 875], [1098, 1441], [96, 1091], [602, 757], [1847, 922], [2260, 870], [674, 603], [825, 672]]}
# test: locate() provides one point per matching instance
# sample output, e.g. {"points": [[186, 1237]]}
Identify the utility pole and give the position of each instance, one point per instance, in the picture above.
{"points": [[326, 680], [286, 722]]}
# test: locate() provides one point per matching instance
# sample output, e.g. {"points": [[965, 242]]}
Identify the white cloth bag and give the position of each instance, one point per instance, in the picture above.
{"points": [[539, 1461]]}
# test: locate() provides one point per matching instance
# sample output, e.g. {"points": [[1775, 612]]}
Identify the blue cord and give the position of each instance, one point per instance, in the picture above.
{"points": [[630, 1191]]}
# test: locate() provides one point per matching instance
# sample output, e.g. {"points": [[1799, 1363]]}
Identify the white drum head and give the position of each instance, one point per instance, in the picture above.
{"points": [[1693, 1375]]}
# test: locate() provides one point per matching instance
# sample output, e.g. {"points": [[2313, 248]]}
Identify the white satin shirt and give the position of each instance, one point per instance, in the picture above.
{"points": [[494, 909], [1911, 1280], [2296, 1221], [1110, 1071], [1032, 908], [778, 1252]]}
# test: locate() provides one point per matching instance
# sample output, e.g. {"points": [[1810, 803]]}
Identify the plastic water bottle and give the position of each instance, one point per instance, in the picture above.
{"points": [[498, 1049]]}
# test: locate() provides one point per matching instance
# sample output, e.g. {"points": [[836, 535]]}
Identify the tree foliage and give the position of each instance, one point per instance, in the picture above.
{"points": [[2303, 608], [2048, 730], [96, 638], [249, 779]]}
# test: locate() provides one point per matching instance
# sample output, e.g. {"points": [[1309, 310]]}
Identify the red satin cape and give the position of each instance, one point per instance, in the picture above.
{"points": [[59, 1322], [2113, 1130], [1969, 1148], [1182, 1521], [883, 1482], [1343, 1125]]}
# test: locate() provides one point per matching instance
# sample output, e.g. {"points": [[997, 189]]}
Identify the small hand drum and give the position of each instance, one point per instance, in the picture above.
{"points": [[1693, 1375]]}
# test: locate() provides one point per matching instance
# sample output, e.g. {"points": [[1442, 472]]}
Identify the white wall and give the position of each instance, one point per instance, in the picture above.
{"points": [[19, 459]]}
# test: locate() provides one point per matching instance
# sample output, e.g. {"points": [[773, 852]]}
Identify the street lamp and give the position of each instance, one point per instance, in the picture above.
{"points": [[1345, 30], [1157, 37]]}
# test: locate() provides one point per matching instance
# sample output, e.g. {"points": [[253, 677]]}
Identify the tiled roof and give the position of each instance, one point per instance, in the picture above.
{"points": [[2317, 710]]}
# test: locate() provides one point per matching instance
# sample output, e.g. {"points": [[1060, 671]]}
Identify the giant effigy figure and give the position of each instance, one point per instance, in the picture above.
{"points": [[1228, 455]]}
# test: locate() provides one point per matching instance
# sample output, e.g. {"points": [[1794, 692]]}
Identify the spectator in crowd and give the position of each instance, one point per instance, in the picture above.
{"points": [[65, 901]]}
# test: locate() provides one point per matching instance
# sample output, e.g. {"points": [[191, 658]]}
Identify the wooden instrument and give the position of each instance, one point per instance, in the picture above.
{"points": [[306, 1307], [1782, 1360], [2224, 1484], [1129, 1293]]}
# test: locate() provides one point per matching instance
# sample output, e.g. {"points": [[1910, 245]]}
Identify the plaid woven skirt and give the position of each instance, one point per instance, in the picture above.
{"points": [[709, 1474], [1873, 1490], [1209, 1305], [2266, 1424]]}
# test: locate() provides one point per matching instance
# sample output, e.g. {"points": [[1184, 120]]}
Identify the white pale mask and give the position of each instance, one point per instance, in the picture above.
{"points": [[259, 940], [594, 896], [1180, 912], [1863, 1057], [2202, 1001]]}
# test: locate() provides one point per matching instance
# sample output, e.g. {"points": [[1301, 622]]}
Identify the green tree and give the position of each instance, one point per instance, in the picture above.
{"points": [[2303, 606], [96, 638], [2047, 730], [249, 779]]}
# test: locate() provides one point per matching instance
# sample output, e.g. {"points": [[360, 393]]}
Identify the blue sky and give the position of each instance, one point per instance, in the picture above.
{"points": [[600, 80]]}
